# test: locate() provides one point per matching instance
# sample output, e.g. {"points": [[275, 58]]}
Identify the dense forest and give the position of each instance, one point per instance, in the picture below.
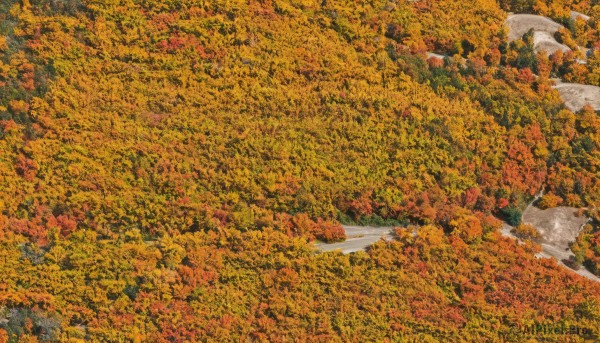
{"points": [[165, 167]]}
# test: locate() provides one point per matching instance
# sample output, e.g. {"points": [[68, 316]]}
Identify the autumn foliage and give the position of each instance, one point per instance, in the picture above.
{"points": [[165, 168]]}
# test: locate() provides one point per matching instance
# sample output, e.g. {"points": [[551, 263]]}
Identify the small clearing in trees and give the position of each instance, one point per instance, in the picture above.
{"points": [[520, 24], [576, 96], [558, 227]]}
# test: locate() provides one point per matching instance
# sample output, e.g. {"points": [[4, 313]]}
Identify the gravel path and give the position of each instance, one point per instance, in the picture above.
{"points": [[433, 54], [575, 15]]}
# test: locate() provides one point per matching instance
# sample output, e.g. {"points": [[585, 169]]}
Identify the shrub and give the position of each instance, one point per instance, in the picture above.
{"points": [[572, 263], [549, 200], [512, 215], [573, 200], [526, 231], [330, 232]]}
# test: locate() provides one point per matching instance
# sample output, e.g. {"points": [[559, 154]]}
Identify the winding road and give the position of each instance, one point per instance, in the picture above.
{"points": [[558, 226]]}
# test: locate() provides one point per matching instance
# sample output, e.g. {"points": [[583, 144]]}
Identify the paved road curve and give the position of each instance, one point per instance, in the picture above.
{"points": [[358, 238]]}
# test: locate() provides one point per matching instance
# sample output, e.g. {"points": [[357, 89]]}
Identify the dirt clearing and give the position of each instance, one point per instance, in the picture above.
{"points": [[558, 227], [519, 24], [543, 41], [576, 95]]}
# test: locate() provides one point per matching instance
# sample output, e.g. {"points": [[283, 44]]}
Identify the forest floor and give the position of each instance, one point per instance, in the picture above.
{"points": [[558, 227]]}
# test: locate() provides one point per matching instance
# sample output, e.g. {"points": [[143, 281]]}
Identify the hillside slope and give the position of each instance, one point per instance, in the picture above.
{"points": [[165, 166]]}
